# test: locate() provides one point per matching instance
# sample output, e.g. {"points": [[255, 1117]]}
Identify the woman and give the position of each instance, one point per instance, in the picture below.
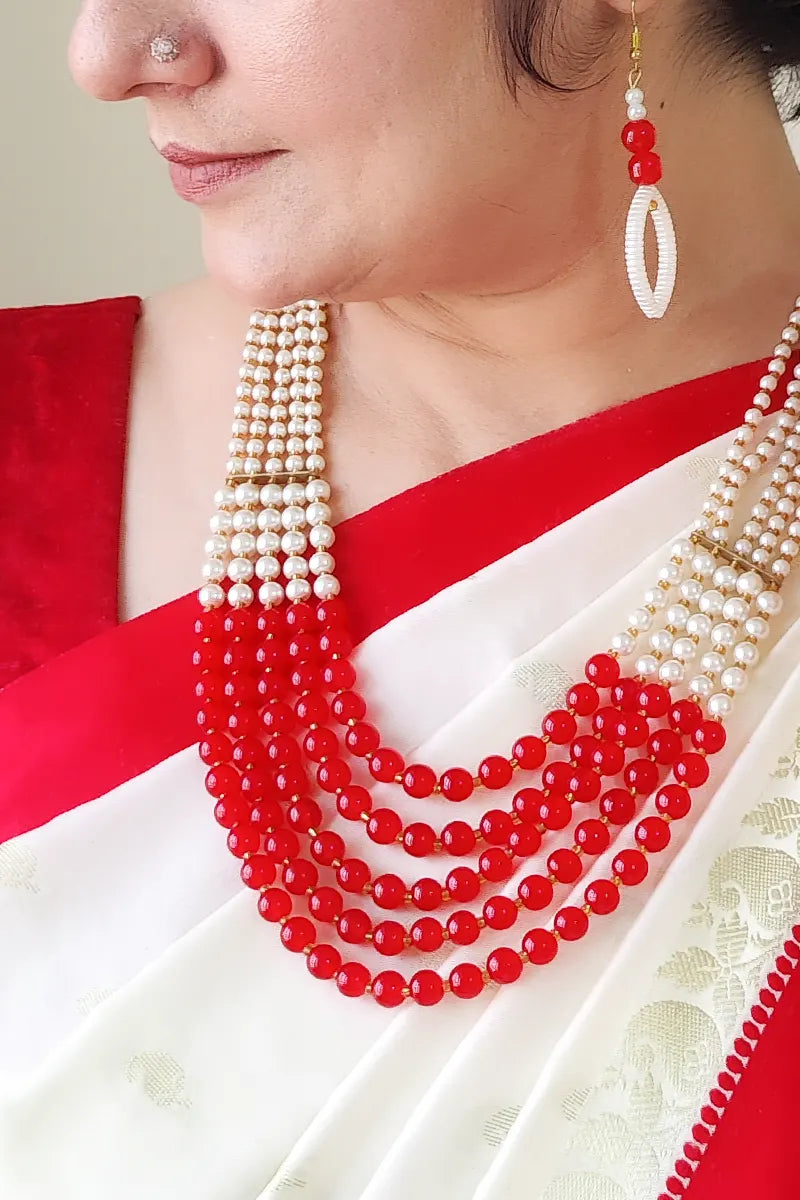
{"points": [[516, 457]]}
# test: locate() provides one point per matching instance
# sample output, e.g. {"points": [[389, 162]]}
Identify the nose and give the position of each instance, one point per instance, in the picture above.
{"points": [[110, 55]]}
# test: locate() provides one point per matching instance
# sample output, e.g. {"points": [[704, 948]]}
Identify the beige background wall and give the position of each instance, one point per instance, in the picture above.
{"points": [[86, 207]]}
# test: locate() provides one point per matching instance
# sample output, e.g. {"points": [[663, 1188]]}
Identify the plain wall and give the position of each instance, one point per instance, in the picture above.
{"points": [[86, 207]]}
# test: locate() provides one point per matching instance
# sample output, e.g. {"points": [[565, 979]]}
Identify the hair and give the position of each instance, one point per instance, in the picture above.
{"points": [[757, 35]]}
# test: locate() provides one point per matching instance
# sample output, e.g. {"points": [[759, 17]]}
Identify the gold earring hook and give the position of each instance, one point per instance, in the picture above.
{"points": [[635, 76]]}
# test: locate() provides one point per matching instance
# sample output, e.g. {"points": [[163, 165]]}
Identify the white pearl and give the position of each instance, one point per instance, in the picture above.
{"points": [[720, 705], [316, 463], [636, 112], [298, 589], [671, 672], [243, 544], [699, 625], [790, 548], [326, 586], [268, 543], [677, 615], [723, 635], [634, 95], [712, 603], [269, 519], [692, 590], [221, 522], [217, 546], [322, 537], [240, 570], [670, 573], [294, 493], [214, 570], [640, 619], [725, 578], [322, 563], [712, 663], [293, 517], [655, 597], [703, 564], [270, 594], [245, 521], [211, 596], [647, 666], [225, 498], [294, 464], [750, 584], [684, 649], [295, 567], [683, 549], [623, 643], [735, 609], [756, 627], [318, 514], [753, 529], [268, 567], [294, 542], [701, 686], [240, 595], [768, 383], [317, 489], [781, 567], [272, 495], [734, 679], [746, 653]]}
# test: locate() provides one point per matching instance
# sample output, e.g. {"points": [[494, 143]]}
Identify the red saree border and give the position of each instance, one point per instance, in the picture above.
{"points": [[112, 708]]}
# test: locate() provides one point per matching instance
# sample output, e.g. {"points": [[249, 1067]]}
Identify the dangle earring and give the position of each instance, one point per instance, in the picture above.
{"points": [[639, 138]]}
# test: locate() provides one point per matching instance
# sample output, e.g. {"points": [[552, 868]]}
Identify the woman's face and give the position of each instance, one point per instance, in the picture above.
{"points": [[407, 165]]}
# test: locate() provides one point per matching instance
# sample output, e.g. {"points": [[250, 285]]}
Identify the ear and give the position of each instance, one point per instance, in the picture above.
{"points": [[624, 6]]}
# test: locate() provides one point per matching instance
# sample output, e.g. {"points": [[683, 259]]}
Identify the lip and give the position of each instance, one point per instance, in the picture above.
{"points": [[197, 175]]}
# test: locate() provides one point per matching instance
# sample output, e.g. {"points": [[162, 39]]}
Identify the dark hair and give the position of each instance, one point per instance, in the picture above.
{"points": [[756, 34]]}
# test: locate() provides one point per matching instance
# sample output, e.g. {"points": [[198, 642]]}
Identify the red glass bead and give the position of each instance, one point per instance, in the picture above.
{"points": [[271, 686], [631, 730], [641, 776], [527, 804], [339, 676], [243, 839], [304, 815], [299, 876], [665, 745], [332, 612], [349, 706], [674, 801], [353, 979], [282, 750], [463, 884], [267, 815], [213, 716], [583, 749], [566, 865], [223, 781], [258, 872], [208, 657], [560, 726], [324, 962], [691, 769], [602, 896], [362, 739], [208, 624], [602, 670], [354, 802], [231, 811], [639, 136], [466, 981], [535, 892], [625, 695], [306, 677], [384, 826], [653, 834], [300, 616], [387, 988], [241, 689], [685, 716], [584, 786], [297, 933], [272, 654], [496, 827], [618, 805], [555, 812], [320, 743], [282, 844], [352, 875], [333, 774], [645, 169], [291, 781], [427, 934], [557, 776], [335, 641], [458, 838], [592, 836], [630, 866], [419, 781], [389, 937], [496, 864], [583, 698], [274, 904], [530, 752], [418, 839], [457, 784], [385, 765], [524, 840], [504, 965], [500, 912], [463, 928], [278, 717], [325, 904], [270, 620], [248, 752], [540, 946], [605, 721], [210, 687], [572, 923], [388, 891], [354, 925], [495, 772], [710, 736], [427, 988], [609, 758], [654, 700], [328, 847], [427, 894]]}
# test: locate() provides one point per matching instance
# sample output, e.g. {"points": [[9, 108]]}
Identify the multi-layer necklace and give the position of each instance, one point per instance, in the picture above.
{"points": [[287, 741]]}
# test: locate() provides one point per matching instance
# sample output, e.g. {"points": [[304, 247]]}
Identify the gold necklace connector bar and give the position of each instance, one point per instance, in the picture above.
{"points": [[735, 560], [275, 477]]}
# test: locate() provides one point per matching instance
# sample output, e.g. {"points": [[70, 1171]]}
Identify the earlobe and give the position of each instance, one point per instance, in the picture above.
{"points": [[624, 6]]}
